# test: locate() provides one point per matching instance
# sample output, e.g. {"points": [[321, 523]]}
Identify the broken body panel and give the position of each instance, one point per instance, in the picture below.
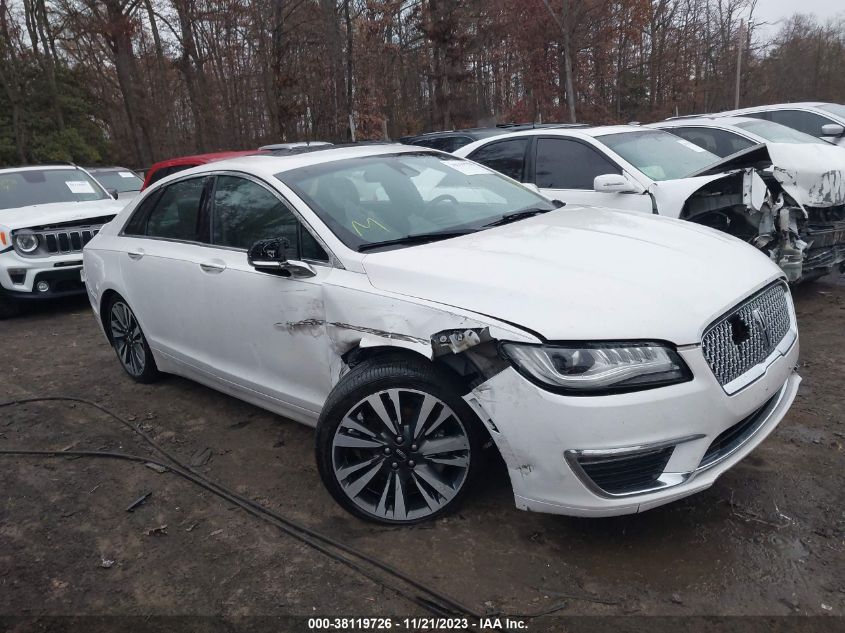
{"points": [[792, 204]]}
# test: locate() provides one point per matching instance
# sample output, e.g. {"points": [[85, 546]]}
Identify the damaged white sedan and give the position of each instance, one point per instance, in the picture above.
{"points": [[795, 213], [417, 308]]}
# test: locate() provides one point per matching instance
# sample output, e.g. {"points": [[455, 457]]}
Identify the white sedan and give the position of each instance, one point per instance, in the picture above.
{"points": [[416, 307]]}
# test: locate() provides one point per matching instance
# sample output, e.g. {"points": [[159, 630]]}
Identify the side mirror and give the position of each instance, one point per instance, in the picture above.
{"points": [[274, 256], [113, 193], [832, 129], [613, 183]]}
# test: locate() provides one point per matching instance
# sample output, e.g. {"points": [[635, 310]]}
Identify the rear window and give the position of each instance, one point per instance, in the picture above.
{"points": [[47, 186], [164, 172], [506, 157]]}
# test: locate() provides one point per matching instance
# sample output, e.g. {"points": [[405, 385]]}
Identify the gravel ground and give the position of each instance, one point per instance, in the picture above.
{"points": [[766, 540]]}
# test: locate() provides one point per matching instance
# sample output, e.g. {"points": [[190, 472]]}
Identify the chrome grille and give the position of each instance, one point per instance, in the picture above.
{"points": [[68, 240], [747, 335]]}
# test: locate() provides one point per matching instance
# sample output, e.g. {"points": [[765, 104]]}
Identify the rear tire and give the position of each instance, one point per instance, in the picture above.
{"points": [[129, 342], [396, 444]]}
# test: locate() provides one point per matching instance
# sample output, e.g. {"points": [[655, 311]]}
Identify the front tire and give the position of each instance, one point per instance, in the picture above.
{"points": [[396, 444], [129, 342]]}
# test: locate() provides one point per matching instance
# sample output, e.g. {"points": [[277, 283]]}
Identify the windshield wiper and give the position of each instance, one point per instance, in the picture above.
{"points": [[415, 238], [518, 215]]}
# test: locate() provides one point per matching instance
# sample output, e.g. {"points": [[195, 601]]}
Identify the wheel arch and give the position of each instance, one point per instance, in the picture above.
{"points": [[105, 301]]}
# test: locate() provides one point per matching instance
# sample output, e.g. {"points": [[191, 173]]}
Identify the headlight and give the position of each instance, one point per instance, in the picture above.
{"points": [[594, 368], [26, 242]]}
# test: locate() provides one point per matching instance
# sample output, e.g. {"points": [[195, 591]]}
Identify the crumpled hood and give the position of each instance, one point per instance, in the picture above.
{"points": [[58, 212], [813, 174], [583, 273]]}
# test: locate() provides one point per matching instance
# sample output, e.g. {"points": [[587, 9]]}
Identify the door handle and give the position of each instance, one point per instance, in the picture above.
{"points": [[214, 266], [136, 254]]}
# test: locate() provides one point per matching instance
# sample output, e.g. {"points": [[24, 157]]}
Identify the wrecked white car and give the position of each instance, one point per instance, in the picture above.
{"points": [[417, 308], [794, 212]]}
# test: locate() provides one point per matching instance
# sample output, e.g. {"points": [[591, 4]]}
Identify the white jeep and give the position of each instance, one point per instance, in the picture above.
{"points": [[47, 214]]}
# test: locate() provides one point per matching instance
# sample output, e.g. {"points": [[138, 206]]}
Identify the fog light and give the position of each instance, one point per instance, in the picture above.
{"points": [[42, 286]]}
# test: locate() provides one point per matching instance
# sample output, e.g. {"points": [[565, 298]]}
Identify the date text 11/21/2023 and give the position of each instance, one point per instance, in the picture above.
{"points": [[417, 624]]}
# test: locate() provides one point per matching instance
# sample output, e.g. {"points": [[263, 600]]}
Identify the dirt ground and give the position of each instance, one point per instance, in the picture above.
{"points": [[767, 539]]}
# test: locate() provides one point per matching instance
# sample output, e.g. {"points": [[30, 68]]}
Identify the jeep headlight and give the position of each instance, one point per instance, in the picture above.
{"points": [[26, 242], [595, 368]]}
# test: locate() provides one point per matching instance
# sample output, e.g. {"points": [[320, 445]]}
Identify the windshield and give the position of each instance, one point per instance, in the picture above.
{"points": [[122, 180], [380, 198], [834, 108], [659, 155], [777, 133], [44, 186]]}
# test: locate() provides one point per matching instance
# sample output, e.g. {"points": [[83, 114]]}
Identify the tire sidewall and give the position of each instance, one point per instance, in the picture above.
{"points": [[150, 372], [343, 398]]}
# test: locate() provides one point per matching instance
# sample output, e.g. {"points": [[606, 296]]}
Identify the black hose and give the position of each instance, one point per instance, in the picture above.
{"points": [[290, 527]]}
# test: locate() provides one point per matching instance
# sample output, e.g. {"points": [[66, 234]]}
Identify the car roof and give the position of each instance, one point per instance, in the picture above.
{"points": [[269, 165], [201, 159], [774, 106], [580, 130], [484, 132], [714, 121], [40, 167], [294, 145], [94, 170]]}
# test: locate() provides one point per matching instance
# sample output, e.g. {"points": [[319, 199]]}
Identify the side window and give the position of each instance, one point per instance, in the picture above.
{"points": [[565, 164], [177, 212], [720, 142], [244, 212], [457, 142], [164, 172], [137, 224], [507, 157], [807, 122]]}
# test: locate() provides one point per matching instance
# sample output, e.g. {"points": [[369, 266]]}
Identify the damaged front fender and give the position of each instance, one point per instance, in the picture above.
{"points": [[354, 318]]}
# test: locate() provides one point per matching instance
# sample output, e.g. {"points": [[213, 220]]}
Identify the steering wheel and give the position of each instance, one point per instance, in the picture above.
{"points": [[443, 197], [436, 208]]}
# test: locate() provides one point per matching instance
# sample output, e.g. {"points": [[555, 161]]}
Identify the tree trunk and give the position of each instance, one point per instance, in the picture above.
{"points": [[127, 76]]}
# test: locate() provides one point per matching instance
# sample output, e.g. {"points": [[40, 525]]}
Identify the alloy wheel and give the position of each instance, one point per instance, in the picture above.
{"points": [[127, 338], [401, 454]]}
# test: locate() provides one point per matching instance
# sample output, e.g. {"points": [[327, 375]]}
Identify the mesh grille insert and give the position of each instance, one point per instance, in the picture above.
{"points": [[747, 335]]}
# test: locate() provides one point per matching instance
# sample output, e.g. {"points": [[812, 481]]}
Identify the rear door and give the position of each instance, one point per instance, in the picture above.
{"points": [[164, 243]]}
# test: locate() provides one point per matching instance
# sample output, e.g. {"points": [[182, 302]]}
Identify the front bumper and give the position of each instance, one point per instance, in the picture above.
{"points": [[545, 438], [19, 277]]}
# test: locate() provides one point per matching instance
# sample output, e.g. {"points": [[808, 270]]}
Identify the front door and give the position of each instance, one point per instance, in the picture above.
{"points": [[264, 333], [564, 169]]}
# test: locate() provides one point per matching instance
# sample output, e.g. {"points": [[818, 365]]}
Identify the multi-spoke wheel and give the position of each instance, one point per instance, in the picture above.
{"points": [[395, 444], [129, 342]]}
